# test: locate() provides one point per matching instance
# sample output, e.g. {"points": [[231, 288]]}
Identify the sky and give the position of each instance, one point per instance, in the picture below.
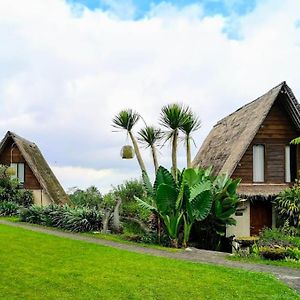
{"points": [[68, 66]]}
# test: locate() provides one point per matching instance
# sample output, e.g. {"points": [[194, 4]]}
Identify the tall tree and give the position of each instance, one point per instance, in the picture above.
{"points": [[172, 117], [191, 124], [125, 120], [150, 136]]}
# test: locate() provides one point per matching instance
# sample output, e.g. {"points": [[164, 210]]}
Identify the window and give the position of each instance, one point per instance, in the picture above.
{"points": [[287, 164], [258, 163], [19, 171]]}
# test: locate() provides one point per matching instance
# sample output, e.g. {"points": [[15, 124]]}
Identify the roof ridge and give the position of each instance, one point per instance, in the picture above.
{"points": [[283, 83], [14, 135]]}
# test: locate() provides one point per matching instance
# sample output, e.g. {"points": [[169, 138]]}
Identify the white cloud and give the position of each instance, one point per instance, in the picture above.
{"points": [[64, 76], [106, 178]]}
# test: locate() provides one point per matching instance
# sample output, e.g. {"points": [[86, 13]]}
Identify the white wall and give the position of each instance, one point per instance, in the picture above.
{"points": [[40, 197], [242, 227]]}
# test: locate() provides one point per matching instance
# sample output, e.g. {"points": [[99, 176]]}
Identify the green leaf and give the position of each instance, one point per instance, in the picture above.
{"points": [[163, 176], [190, 177], [144, 204], [226, 214], [233, 186], [199, 188], [147, 184], [201, 205], [166, 197]]}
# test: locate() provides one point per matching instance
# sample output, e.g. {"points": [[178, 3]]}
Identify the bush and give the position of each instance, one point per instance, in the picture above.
{"points": [[91, 197], [65, 217], [293, 253], [8, 208], [272, 253], [10, 190], [33, 214], [288, 205], [274, 238]]}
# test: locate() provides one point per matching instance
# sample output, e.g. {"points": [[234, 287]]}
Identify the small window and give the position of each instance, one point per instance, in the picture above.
{"points": [[258, 163], [287, 164], [19, 171]]}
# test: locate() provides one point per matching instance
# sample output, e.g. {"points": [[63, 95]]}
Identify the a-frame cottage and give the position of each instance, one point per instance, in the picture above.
{"points": [[31, 169], [253, 144]]}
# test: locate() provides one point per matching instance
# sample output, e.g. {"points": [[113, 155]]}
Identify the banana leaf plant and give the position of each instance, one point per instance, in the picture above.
{"points": [[225, 203], [196, 198], [189, 199]]}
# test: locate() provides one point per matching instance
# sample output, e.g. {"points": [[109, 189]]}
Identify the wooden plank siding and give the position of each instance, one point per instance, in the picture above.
{"points": [[275, 133], [6, 157]]}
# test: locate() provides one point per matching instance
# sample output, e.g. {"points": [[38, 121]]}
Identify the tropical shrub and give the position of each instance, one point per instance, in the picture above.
{"points": [[78, 219], [210, 233], [91, 197], [8, 208], [185, 201], [287, 205]]}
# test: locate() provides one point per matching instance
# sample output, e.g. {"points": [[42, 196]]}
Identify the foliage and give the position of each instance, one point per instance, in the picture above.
{"points": [[10, 190], [287, 205], [129, 189], [190, 199], [91, 197], [79, 219], [150, 136], [125, 120], [41, 266], [210, 233], [8, 208]]}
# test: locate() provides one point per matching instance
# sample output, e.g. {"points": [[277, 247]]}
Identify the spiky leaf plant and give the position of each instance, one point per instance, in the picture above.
{"points": [[150, 137], [172, 117], [125, 120]]}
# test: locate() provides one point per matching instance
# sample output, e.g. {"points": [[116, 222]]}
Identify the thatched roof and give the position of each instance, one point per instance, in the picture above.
{"points": [[230, 137], [264, 190], [39, 167]]}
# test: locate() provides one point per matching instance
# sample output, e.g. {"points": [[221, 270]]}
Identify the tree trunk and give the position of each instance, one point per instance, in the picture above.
{"points": [[137, 152], [154, 156], [174, 154], [105, 221], [188, 152], [116, 216]]}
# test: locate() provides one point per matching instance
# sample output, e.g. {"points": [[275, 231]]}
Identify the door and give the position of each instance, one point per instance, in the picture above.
{"points": [[260, 216]]}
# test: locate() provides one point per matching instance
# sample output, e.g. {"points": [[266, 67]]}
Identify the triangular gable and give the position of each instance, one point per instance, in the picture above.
{"points": [[38, 166], [230, 137]]}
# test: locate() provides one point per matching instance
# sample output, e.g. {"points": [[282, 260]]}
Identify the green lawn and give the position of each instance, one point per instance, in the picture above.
{"points": [[39, 266]]}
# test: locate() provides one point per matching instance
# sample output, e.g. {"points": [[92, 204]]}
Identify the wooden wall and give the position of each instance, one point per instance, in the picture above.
{"points": [[5, 158], [275, 133]]}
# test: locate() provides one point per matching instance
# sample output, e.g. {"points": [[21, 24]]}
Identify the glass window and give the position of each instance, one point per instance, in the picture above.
{"points": [[258, 163], [19, 171]]}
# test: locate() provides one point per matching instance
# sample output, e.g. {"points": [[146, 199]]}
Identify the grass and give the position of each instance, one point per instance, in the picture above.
{"points": [[258, 260], [119, 238], [40, 266]]}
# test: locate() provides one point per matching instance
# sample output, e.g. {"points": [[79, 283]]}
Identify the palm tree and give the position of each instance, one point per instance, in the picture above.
{"points": [[150, 136], [192, 123], [125, 120], [173, 116]]}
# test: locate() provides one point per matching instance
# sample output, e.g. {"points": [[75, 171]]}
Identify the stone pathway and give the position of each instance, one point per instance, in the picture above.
{"points": [[288, 275]]}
